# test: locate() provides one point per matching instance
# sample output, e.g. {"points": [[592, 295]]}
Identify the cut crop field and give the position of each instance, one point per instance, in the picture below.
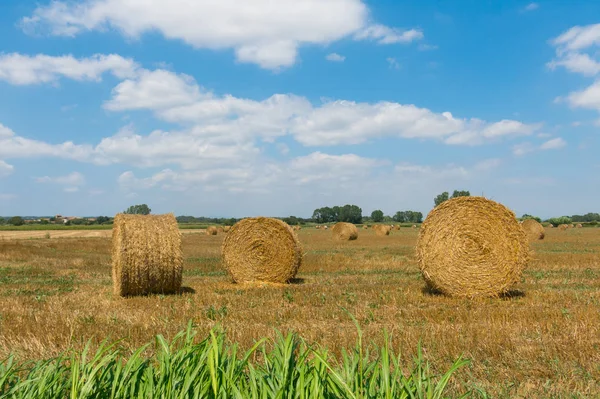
{"points": [[66, 233], [541, 341]]}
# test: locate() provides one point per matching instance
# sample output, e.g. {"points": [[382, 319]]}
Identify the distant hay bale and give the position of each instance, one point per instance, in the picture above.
{"points": [[211, 231], [579, 225], [571, 226], [220, 229], [471, 247], [533, 229], [146, 255], [563, 227], [344, 231], [414, 226], [261, 249], [382, 230], [365, 227], [325, 227], [226, 228]]}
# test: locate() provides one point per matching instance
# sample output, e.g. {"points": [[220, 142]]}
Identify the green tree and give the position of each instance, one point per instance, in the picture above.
{"points": [[377, 216], [102, 219], [457, 193], [16, 221], [558, 221], [292, 220], [138, 210], [400, 217], [441, 198], [350, 214]]}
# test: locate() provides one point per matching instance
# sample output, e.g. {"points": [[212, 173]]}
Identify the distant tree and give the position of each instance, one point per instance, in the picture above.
{"points": [[377, 216], [16, 221], [408, 217], [44, 221], [560, 220], [102, 219], [292, 220], [526, 216], [441, 198], [457, 193], [142, 209], [350, 214], [400, 217]]}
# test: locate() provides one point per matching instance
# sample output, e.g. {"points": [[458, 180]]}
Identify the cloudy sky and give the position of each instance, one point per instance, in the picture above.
{"points": [[276, 108]]}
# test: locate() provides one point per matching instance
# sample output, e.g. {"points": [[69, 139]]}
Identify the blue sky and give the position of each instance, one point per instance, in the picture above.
{"points": [[278, 108]]}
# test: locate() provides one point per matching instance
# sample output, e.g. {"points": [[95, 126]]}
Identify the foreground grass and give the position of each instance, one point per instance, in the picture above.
{"points": [[214, 369]]}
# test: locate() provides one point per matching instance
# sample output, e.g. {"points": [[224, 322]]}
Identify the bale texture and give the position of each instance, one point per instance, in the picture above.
{"points": [[382, 230], [262, 249], [343, 231], [471, 247], [211, 231], [146, 255], [533, 229]]}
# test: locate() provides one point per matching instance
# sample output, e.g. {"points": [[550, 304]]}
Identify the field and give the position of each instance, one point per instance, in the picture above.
{"points": [[541, 341]]}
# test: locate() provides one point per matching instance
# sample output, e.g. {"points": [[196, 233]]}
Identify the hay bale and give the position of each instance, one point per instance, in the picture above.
{"points": [[414, 226], [211, 231], [382, 230], [344, 231], [146, 255], [533, 229], [226, 228], [261, 249], [365, 227], [579, 225], [563, 227], [471, 247]]}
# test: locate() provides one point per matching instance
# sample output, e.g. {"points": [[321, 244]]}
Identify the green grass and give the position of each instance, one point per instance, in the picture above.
{"points": [[288, 367]]}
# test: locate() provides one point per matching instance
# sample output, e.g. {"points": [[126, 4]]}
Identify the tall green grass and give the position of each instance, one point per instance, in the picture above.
{"points": [[212, 368]]}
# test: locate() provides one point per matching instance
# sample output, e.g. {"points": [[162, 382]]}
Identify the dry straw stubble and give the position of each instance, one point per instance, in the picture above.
{"points": [[472, 247], [147, 257], [262, 250], [533, 229], [343, 231]]}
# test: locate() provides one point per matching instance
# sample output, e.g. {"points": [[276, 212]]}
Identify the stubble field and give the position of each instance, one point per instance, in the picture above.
{"points": [[541, 341]]}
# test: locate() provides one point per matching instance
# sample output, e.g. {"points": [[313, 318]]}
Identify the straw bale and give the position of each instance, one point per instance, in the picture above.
{"points": [[382, 230], [146, 255], [343, 231], [533, 229], [563, 227], [471, 247], [579, 225], [414, 226], [211, 231], [365, 227], [226, 228], [261, 249]]}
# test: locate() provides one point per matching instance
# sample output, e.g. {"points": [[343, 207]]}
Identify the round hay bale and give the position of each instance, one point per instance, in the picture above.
{"points": [[343, 231], [226, 228], [414, 226], [533, 229], [471, 247], [382, 230], [261, 249], [325, 227], [563, 227], [211, 231], [579, 225], [146, 255], [365, 227]]}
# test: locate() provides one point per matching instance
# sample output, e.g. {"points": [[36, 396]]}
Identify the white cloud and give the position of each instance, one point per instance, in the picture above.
{"points": [[154, 90], [488, 164], [71, 182], [553, 144], [394, 64], [72, 179], [319, 167], [385, 35], [588, 98], [577, 63], [523, 148], [427, 47], [5, 169], [578, 38], [263, 32], [531, 7], [21, 69], [335, 57]]}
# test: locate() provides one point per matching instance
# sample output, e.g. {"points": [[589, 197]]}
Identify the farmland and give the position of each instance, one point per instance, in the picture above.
{"points": [[542, 340]]}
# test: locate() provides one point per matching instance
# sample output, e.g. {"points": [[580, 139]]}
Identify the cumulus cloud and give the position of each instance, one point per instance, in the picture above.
{"points": [[335, 57], [262, 32], [553, 144], [531, 7], [5, 169], [19, 69], [71, 182]]}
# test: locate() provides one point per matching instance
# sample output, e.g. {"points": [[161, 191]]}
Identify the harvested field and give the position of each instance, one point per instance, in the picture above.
{"points": [[30, 234], [539, 341]]}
